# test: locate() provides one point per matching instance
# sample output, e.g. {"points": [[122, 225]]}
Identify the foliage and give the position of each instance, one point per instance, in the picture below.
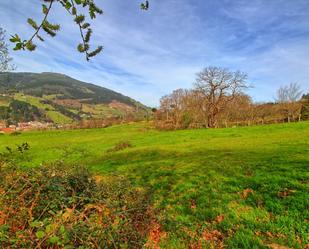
{"points": [[20, 111], [57, 206], [74, 9], [145, 5], [12, 154]]}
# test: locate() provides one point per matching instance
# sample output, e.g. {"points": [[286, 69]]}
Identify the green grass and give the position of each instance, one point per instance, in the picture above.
{"points": [[197, 175], [58, 117]]}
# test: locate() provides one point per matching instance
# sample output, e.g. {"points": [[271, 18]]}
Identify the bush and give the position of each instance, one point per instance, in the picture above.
{"points": [[15, 133], [120, 146], [57, 206]]}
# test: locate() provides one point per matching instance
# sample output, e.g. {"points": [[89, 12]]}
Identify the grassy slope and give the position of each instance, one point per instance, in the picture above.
{"points": [[54, 115], [208, 169], [97, 111]]}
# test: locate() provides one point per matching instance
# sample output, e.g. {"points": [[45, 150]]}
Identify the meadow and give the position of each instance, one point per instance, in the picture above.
{"points": [[243, 187]]}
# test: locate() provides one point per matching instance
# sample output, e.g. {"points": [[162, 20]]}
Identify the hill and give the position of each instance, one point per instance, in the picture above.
{"points": [[62, 99], [221, 188]]}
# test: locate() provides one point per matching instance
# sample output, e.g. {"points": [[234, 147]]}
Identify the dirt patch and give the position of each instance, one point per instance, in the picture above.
{"points": [[286, 193], [155, 236], [276, 246], [245, 193]]}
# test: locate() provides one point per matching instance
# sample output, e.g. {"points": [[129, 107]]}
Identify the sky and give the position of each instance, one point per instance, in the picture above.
{"points": [[148, 54]]}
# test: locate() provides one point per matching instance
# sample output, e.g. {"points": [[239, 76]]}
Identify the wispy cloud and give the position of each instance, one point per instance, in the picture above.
{"points": [[148, 54]]}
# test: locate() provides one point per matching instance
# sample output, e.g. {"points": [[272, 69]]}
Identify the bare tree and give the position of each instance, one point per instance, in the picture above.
{"points": [[290, 93], [219, 87], [5, 59], [288, 96]]}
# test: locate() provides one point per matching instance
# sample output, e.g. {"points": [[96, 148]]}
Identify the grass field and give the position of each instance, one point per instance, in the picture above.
{"points": [[241, 187]]}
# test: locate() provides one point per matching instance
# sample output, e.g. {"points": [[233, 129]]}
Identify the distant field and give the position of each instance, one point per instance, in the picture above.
{"points": [[97, 111], [54, 115], [241, 187]]}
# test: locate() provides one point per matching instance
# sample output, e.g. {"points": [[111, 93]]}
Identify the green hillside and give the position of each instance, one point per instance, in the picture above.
{"points": [[62, 99], [222, 188]]}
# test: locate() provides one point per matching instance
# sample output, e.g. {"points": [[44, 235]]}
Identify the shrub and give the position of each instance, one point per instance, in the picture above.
{"points": [[57, 206], [120, 146], [15, 133]]}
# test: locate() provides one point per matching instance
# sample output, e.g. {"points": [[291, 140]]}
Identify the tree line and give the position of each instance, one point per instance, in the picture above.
{"points": [[218, 99]]}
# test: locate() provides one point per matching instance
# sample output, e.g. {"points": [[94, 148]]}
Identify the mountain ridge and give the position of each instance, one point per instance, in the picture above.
{"points": [[58, 93], [28, 82]]}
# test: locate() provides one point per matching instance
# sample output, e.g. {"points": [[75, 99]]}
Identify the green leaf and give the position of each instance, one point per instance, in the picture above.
{"points": [[48, 228], [44, 9], [95, 52], [68, 5], [18, 46], [85, 25], [32, 23], [54, 239], [40, 234], [62, 229], [88, 35], [35, 224], [15, 38], [145, 5], [82, 48], [92, 14], [54, 27], [30, 46], [79, 19]]}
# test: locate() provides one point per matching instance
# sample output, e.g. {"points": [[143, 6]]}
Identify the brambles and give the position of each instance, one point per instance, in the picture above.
{"points": [[244, 187], [56, 206], [11, 155]]}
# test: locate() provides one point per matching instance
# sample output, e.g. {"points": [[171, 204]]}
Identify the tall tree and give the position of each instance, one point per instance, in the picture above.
{"points": [[219, 87], [5, 59], [290, 93], [288, 96]]}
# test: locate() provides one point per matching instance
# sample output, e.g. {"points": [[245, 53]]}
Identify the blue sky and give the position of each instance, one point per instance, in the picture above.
{"points": [[148, 54]]}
